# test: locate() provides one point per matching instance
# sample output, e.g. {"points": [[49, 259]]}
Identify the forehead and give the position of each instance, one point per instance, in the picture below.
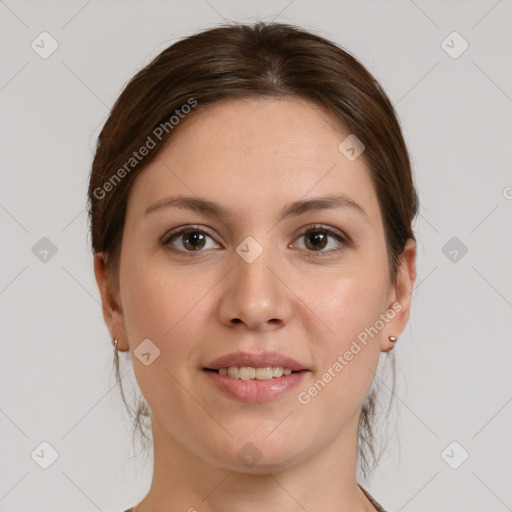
{"points": [[250, 154], [262, 129]]}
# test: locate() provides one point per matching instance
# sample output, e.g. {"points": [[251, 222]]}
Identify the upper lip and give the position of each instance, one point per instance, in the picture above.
{"points": [[259, 360]]}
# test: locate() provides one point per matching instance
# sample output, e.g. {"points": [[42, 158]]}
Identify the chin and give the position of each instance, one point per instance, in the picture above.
{"points": [[259, 456], [261, 466]]}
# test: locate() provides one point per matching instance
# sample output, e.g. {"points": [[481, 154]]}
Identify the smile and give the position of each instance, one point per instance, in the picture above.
{"points": [[250, 373]]}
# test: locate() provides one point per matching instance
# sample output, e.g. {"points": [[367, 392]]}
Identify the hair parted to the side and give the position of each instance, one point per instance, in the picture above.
{"points": [[258, 60]]}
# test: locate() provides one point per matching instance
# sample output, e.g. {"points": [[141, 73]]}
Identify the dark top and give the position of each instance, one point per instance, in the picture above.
{"points": [[374, 503]]}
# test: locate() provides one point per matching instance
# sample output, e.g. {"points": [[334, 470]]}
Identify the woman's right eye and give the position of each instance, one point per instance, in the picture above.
{"points": [[188, 240]]}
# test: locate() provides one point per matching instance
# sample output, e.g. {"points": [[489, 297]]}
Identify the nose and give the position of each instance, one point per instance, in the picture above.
{"points": [[255, 295]]}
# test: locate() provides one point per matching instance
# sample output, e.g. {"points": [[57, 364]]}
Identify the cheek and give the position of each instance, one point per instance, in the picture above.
{"points": [[349, 303], [348, 351], [166, 305], [158, 303], [347, 356], [155, 296]]}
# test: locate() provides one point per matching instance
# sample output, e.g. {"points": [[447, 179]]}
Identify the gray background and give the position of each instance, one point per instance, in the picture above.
{"points": [[454, 359]]}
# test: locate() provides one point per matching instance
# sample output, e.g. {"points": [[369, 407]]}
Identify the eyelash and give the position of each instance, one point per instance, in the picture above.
{"points": [[316, 228]]}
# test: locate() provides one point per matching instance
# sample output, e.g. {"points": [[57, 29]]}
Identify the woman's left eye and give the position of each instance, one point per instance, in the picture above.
{"points": [[193, 239], [317, 238]]}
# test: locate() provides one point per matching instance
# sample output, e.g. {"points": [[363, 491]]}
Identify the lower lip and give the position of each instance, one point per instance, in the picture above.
{"points": [[256, 390]]}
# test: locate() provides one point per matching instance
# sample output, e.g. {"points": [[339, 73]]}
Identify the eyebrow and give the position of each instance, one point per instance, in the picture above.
{"points": [[199, 204]]}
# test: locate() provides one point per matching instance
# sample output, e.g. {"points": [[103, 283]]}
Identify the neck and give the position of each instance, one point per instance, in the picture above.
{"points": [[182, 481]]}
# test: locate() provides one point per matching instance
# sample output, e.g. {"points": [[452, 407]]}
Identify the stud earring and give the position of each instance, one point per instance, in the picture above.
{"points": [[392, 339]]}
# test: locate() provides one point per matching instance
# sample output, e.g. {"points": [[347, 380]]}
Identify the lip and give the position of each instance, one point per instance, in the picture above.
{"points": [[255, 390], [259, 360]]}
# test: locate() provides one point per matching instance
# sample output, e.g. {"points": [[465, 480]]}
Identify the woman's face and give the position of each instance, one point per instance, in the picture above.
{"points": [[252, 280]]}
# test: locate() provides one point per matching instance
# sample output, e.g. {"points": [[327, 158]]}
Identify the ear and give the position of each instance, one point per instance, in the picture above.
{"points": [[112, 311], [399, 304]]}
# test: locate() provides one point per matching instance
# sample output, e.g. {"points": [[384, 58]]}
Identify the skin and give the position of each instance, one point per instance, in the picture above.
{"points": [[253, 157]]}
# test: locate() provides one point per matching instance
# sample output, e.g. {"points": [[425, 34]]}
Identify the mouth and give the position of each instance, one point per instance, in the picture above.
{"points": [[255, 377]]}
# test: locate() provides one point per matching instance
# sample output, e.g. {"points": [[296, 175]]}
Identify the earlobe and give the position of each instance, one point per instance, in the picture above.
{"points": [[400, 302]]}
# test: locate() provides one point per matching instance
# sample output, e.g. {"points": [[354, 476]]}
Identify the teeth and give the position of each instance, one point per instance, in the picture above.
{"points": [[246, 373], [277, 371], [250, 373], [233, 372], [264, 373]]}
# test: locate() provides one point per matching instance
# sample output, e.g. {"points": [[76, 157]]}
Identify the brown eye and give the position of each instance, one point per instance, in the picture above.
{"points": [[193, 240], [188, 240], [316, 240]]}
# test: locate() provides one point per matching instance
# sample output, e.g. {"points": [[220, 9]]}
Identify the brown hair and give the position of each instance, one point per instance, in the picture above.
{"points": [[242, 61]]}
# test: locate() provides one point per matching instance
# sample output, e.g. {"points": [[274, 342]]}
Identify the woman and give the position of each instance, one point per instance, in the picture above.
{"points": [[251, 203]]}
